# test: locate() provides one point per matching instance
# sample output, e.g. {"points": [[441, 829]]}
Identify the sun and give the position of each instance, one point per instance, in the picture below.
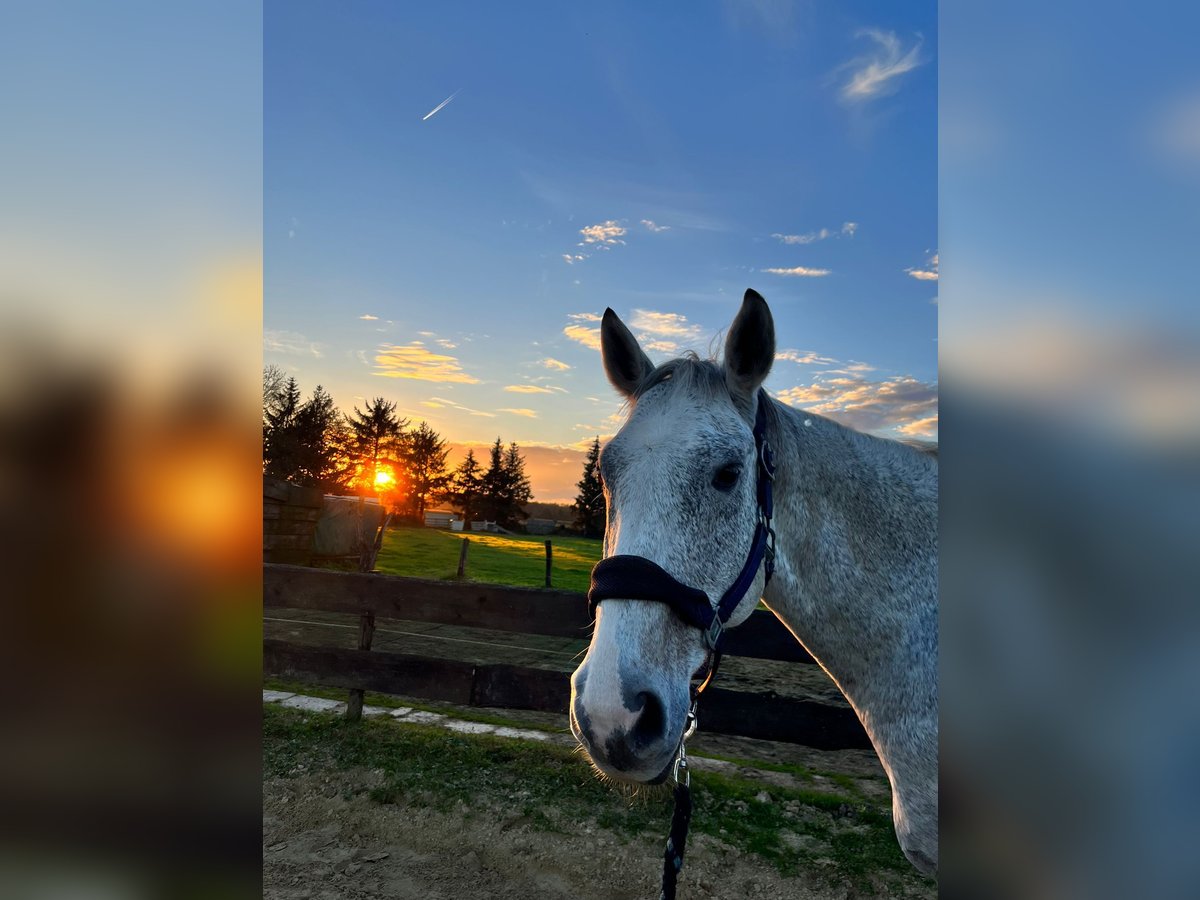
{"points": [[384, 479]]}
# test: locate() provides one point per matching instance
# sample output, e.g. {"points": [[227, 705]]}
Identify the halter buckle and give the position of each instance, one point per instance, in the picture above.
{"points": [[766, 460], [712, 634]]}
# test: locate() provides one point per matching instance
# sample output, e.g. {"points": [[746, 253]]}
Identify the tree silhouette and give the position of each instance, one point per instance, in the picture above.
{"points": [[424, 469], [506, 487], [375, 440], [465, 489], [589, 502]]}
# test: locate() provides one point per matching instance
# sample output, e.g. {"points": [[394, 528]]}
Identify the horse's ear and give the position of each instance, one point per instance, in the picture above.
{"points": [[750, 346], [625, 363]]}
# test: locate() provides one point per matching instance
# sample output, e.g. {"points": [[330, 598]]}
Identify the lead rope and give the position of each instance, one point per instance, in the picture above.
{"points": [[681, 818]]}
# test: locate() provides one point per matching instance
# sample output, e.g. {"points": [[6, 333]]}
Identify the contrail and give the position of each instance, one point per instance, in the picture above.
{"points": [[438, 108]]}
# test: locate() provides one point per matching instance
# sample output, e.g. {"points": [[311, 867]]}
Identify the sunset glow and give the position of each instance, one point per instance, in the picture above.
{"points": [[384, 479]]}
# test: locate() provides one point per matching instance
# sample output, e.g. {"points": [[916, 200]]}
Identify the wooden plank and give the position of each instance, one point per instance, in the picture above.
{"points": [[766, 716], [389, 673], [521, 610]]}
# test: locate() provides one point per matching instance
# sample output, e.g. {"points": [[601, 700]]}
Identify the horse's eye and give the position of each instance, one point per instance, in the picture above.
{"points": [[726, 477]]}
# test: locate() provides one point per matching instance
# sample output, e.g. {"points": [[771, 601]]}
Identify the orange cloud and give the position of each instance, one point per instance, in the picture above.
{"points": [[416, 362]]}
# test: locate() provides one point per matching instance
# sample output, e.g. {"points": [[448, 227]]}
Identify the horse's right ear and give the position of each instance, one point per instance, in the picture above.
{"points": [[625, 363]]}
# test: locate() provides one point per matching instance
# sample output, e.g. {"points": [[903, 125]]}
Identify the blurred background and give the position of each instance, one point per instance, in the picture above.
{"points": [[1069, 166], [130, 336], [130, 281]]}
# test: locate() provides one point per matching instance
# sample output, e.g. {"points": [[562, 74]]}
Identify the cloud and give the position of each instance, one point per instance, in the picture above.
{"points": [[929, 273], [847, 230], [661, 346], [875, 73], [571, 258], [527, 413], [901, 404], [528, 389], [290, 342], [1175, 134], [584, 317], [589, 337], [420, 364], [555, 364], [369, 318], [654, 226], [664, 324], [920, 428], [449, 345], [607, 233], [443, 403], [805, 357], [798, 272]]}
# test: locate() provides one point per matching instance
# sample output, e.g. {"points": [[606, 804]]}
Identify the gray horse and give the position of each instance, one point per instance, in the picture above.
{"points": [[856, 566]]}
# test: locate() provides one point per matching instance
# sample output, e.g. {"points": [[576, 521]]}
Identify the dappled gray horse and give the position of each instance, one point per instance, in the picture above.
{"points": [[855, 568]]}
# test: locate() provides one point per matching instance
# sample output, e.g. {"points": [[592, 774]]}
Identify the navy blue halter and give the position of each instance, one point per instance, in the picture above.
{"points": [[637, 578]]}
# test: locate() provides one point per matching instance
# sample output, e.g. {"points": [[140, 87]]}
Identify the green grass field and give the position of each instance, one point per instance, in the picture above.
{"points": [[515, 559]]}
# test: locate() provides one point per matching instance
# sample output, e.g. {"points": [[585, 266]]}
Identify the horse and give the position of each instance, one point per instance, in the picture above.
{"points": [[855, 562]]}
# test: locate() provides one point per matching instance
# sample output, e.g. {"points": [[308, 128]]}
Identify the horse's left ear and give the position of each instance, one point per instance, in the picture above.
{"points": [[750, 347]]}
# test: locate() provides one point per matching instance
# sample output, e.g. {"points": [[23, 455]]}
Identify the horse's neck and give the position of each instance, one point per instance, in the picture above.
{"points": [[856, 576]]}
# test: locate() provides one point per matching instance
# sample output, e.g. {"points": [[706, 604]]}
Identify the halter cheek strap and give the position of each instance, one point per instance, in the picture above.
{"points": [[637, 578]]}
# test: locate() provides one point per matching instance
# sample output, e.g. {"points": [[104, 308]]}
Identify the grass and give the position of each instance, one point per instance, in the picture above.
{"points": [[844, 838], [516, 559]]}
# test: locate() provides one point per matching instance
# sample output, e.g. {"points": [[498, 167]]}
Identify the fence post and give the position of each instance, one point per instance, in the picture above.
{"points": [[549, 560], [366, 631], [462, 557]]}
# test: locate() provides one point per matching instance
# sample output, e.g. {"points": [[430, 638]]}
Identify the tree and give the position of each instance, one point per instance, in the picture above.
{"points": [[376, 445], [302, 443], [321, 432], [465, 489], [505, 487], [492, 488], [281, 437], [517, 484], [589, 502], [425, 468]]}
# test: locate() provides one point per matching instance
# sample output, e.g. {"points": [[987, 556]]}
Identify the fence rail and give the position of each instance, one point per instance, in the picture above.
{"points": [[525, 611]]}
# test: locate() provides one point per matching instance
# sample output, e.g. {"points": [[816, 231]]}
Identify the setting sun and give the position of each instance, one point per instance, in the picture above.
{"points": [[384, 479]]}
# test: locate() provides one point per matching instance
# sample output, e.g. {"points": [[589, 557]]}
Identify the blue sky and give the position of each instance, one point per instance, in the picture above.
{"points": [[655, 159]]}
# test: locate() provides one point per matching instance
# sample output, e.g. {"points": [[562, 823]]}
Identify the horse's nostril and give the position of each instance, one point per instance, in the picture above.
{"points": [[652, 721]]}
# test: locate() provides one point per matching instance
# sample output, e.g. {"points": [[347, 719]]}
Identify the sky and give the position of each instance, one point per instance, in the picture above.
{"points": [[454, 193]]}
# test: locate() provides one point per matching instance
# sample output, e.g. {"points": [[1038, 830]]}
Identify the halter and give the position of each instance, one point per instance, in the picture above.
{"points": [[625, 577], [637, 578]]}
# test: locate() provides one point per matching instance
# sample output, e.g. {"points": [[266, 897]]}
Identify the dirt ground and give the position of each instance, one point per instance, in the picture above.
{"points": [[325, 839]]}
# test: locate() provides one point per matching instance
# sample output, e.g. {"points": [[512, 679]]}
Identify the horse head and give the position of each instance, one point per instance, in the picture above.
{"points": [[680, 482]]}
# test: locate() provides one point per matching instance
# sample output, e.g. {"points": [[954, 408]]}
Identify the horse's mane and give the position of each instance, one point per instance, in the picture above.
{"points": [[706, 379], [689, 373]]}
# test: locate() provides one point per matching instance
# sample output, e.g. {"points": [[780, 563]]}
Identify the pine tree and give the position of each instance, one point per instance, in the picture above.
{"points": [[492, 486], [281, 440], [589, 503], [321, 433], [506, 487], [376, 441], [425, 468], [519, 491], [466, 488]]}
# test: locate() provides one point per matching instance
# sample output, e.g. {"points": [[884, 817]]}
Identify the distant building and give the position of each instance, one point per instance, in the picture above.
{"points": [[443, 518], [540, 526]]}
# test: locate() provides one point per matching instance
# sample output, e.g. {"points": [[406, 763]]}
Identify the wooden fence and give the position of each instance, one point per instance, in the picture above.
{"points": [[525, 611]]}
